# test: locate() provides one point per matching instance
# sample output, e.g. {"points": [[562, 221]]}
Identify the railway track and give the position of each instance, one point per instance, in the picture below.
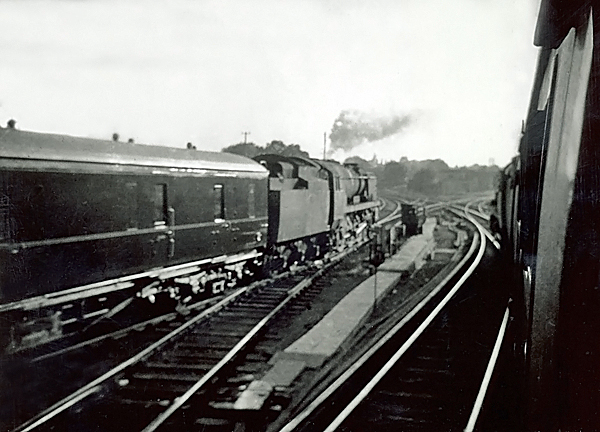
{"points": [[91, 354], [205, 371], [391, 213], [184, 365], [430, 371], [114, 323]]}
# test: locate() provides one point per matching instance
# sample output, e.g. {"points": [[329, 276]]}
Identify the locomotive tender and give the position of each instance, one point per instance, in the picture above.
{"points": [[315, 205], [548, 213], [88, 225]]}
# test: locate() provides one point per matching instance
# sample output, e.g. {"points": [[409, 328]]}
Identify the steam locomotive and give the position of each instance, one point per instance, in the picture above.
{"points": [[548, 214], [87, 226]]}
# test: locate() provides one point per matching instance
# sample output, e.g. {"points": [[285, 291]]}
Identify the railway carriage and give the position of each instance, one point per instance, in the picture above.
{"points": [[549, 209], [81, 219]]}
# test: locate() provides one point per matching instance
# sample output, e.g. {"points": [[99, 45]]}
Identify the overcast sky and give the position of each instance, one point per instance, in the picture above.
{"points": [[459, 73]]}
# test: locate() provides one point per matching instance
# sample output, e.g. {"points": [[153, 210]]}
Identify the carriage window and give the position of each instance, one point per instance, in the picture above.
{"points": [[160, 205], [130, 205], [4, 218], [251, 201], [337, 183], [218, 202]]}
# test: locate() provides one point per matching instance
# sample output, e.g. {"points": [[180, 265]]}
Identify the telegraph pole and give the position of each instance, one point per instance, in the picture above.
{"points": [[324, 145], [245, 136]]}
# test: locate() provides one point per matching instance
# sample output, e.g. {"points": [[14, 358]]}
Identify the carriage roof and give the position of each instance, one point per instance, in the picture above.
{"points": [[33, 146]]}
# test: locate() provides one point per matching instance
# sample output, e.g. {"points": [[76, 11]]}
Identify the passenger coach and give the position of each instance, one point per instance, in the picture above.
{"points": [[81, 217]]}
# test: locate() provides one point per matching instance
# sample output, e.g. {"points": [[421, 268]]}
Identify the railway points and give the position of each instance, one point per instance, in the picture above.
{"points": [[152, 288], [225, 326], [417, 406], [278, 376]]}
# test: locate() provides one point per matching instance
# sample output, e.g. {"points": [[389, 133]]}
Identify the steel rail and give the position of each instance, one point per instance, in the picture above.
{"points": [[304, 414], [122, 332], [95, 385], [477, 213], [394, 359], [496, 350], [467, 210], [66, 402], [480, 208], [181, 400], [394, 215], [488, 374], [390, 216]]}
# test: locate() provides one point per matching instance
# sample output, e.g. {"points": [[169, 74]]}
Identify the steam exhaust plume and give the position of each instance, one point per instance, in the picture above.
{"points": [[354, 127]]}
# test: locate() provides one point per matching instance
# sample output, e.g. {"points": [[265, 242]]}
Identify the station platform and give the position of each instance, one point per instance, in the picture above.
{"points": [[321, 341], [318, 344]]}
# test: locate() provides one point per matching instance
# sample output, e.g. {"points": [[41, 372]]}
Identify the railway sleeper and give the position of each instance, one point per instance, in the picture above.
{"points": [[236, 322], [206, 355], [271, 299], [255, 306], [226, 326], [195, 357], [150, 393], [203, 332], [157, 376], [243, 308], [248, 314], [211, 343], [200, 367], [248, 368]]}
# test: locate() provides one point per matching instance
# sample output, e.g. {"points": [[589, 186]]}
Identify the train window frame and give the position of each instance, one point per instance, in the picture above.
{"points": [[159, 205], [218, 202]]}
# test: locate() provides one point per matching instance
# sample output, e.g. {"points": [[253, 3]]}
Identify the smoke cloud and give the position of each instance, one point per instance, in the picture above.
{"points": [[354, 127]]}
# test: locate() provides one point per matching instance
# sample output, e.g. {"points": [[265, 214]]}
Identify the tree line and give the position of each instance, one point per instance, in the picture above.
{"points": [[429, 177]]}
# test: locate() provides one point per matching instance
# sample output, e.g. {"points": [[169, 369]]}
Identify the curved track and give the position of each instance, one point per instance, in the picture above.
{"points": [[436, 376]]}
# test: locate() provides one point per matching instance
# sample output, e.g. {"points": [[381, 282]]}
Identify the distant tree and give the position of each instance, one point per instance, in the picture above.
{"points": [[425, 181], [274, 147], [394, 174], [295, 150], [278, 147], [115, 137], [436, 165], [244, 149], [363, 163]]}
